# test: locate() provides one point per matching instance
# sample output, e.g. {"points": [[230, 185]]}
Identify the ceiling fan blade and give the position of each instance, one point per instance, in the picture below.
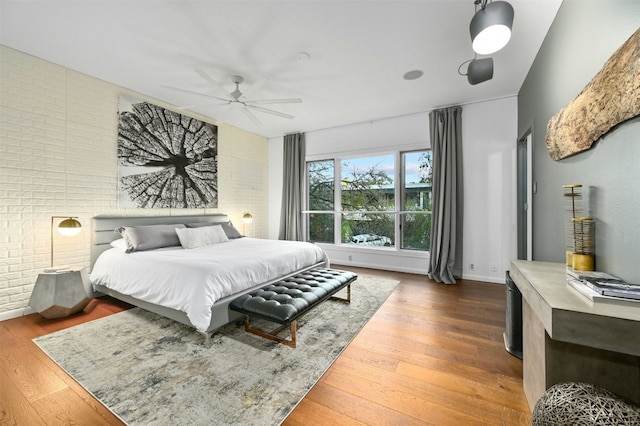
{"points": [[212, 82], [275, 101], [195, 106], [251, 116], [255, 86], [270, 111], [191, 92]]}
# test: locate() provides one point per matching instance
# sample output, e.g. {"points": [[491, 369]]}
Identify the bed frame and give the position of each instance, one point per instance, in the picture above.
{"points": [[102, 233]]}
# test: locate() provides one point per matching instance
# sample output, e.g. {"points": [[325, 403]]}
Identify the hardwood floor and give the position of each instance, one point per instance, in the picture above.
{"points": [[433, 354]]}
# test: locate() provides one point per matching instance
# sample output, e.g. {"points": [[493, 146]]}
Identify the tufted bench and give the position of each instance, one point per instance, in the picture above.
{"points": [[284, 301]]}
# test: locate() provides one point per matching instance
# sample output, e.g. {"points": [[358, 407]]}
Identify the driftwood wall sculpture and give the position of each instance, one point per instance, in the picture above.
{"points": [[613, 96]]}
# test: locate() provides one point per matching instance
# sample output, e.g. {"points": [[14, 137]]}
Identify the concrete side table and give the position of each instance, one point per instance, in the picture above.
{"points": [[60, 294]]}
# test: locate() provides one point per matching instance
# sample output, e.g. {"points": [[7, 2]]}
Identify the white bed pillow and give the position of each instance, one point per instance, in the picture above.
{"points": [[227, 227], [149, 237], [203, 236], [120, 244]]}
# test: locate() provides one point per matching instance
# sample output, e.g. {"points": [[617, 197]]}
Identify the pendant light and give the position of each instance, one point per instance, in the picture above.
{"points": [[490, 27], [478, 70]]}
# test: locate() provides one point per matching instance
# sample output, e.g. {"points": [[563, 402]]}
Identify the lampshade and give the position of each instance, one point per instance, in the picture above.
{"points": [[480, 70], [490, 27], [68, 227], [247, 218]]}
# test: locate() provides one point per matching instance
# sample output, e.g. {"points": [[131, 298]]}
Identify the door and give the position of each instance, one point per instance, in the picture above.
{"points": [[524, 189]]}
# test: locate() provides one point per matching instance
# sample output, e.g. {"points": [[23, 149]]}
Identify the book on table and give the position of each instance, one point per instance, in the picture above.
{"points": [[614, 287], [596, 296], [602, 283], [581, 275]]}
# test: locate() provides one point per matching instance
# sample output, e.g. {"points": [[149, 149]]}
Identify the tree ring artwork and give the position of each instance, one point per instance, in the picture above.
{"points": [[165, 159]]}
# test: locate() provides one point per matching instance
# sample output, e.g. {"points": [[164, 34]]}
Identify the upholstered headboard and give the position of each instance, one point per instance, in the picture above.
{"points": [[103, 227]]}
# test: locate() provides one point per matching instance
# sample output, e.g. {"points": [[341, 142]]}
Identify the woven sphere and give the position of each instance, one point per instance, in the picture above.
{"points": [[583, 404]]}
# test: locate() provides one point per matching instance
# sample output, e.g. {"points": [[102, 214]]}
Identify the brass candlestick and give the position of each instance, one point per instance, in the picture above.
{"points": [[584, 250], [574, 208]]}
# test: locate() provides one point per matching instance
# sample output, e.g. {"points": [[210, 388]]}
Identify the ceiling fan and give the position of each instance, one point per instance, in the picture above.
{"points": [[240, 99]]}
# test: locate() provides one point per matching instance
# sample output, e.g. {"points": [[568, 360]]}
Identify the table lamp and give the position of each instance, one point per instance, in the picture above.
{"points": [[246, 218], [69, 227]]}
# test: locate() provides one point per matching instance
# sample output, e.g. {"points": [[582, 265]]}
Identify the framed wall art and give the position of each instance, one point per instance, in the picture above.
{"points": [[165, 159]]}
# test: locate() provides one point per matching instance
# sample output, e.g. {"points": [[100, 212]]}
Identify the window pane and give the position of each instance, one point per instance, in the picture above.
{"points": [[367, 184], [416, 231], [321, 226], [416, 193], [368, 229], [320, 178]]}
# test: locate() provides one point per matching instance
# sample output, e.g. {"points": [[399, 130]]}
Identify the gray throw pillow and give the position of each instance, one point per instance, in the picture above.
{"points": [[231, 231], [149, 237]]}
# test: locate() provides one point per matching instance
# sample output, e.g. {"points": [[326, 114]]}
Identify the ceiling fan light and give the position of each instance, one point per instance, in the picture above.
{"points": [[490, 27], [236, 94], [480, 70]]}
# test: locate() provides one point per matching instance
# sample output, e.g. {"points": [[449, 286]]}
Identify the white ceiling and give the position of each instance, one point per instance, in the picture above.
{"points": [[359, 52]]}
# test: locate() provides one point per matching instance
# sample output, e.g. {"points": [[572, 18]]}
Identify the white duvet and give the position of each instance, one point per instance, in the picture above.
{"points": [[192, 280]]}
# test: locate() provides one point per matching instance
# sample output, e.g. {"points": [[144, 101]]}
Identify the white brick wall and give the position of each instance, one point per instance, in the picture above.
{"points": [[58, 144]]}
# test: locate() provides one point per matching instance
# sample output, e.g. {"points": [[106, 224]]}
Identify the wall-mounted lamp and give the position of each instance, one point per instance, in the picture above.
{"points": [[478, 70], [490, 27], [68, 227], [246, 219]]}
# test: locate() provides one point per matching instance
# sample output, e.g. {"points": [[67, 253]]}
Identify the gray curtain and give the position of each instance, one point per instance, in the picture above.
{"points": [[291, 224], [445, 264]]}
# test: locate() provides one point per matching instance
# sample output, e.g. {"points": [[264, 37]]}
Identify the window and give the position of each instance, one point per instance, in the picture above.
{"points": [[416, 200], [367, 198], [383, 201], [320, 191]]}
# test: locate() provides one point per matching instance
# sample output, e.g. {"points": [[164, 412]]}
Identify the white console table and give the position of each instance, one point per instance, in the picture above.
{"points": [[568, 338]]}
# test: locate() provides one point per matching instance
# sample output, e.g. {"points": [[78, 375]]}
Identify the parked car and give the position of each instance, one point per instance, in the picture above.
{"points": [[371, 240]]}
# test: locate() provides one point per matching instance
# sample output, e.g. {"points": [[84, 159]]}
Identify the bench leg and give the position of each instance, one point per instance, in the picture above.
{"points": [[273, 335], [292, 326], [341, 299]]}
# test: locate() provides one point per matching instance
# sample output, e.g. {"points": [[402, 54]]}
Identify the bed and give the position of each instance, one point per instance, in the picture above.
{"points": [[206, 279]]}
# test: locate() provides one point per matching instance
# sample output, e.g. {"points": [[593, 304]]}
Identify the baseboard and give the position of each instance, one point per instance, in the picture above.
{"points": [[381, 267], [15, 313], [395, 268], [496, 280]]}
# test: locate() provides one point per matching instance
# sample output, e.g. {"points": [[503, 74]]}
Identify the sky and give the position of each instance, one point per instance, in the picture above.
{"points": [[386, 163]]}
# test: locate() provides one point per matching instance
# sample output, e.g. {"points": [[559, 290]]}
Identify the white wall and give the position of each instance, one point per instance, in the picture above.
{"points": [[489, 135], [58, 156], [489, 147]]}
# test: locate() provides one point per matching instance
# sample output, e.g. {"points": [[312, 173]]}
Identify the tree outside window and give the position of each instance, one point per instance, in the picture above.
{"points": [[367, 194], [369, 202], [320, 189], [416, 200]]}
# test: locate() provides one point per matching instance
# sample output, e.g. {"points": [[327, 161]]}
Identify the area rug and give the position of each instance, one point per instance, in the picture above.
{"points": [[149, 370]]}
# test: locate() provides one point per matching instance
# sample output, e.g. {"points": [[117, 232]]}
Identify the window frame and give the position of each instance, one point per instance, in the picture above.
{"points": [[338, 212]]}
